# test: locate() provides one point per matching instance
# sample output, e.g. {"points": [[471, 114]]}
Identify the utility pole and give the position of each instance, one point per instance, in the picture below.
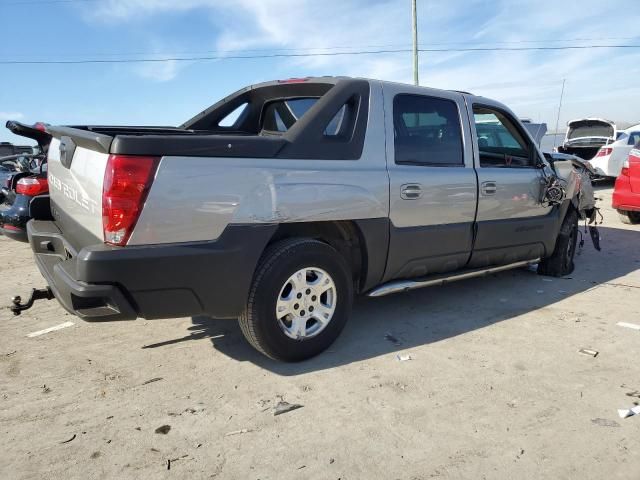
{"points": [[555, 136], [414, 13]]}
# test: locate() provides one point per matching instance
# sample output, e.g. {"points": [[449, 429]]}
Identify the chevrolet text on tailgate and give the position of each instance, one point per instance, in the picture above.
{"points": [[282, 201]]}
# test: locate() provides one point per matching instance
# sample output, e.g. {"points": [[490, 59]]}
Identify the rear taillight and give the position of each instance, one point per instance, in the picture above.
{"points": [[625, 168], [127, 180], [604, 151], [32, 186]]}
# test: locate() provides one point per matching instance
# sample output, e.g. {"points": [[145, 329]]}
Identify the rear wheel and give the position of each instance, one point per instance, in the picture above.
{"points": [[560, 263], [299, 301], [628, 217]]}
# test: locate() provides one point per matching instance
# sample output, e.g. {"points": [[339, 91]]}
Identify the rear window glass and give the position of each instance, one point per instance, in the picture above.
{"points": [[281, 115], [634, 138]]}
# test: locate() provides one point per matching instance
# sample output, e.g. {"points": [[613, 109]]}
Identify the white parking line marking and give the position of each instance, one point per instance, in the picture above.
{"points": [[50, 329], [628, 325]]}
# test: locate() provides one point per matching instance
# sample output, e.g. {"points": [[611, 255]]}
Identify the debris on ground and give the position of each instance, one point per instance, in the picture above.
{"points": [[588, 351], [603, 422], [285, 407], [238, 432], [635, 394], [186, 410], [392, 339], [50, 329], [632, 326], [157, 379], [404, 357], [70, 440], [163, 430], [45, 389], [629, 412], [173, 460]]}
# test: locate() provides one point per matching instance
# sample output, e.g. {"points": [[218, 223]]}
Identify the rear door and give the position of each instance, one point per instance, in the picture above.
{"points": [[634, 168], [433, 187], [512, 224]]}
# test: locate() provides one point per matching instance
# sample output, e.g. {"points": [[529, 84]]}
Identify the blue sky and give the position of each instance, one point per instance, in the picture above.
{"points": [[600, 82]]}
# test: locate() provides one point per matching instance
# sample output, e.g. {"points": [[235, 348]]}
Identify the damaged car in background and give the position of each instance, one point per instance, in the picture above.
{"points": [[608, 161], [282, 201], [24, 188], [586, 136]]}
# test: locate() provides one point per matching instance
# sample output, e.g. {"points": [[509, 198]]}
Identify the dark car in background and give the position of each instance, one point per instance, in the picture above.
{"points": [[23, 183], [7, 149]]}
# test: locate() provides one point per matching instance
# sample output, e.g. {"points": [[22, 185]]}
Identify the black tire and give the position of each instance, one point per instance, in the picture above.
{"points": [[630, 218], [258, 321], [560, 263]]}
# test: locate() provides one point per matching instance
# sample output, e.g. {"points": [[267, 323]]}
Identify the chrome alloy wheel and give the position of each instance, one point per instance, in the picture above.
{"points": [[306, 303]]}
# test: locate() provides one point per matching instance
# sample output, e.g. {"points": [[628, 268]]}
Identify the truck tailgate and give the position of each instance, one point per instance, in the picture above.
{"points": [[76, 191]]}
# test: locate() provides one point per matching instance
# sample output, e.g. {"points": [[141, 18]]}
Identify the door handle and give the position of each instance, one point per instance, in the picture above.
{"points": [[411, 191], [489, 188]]}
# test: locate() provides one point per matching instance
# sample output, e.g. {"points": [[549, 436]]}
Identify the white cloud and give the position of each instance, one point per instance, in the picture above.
{"points": [[159, 71], [528, 81], [4, 116]]}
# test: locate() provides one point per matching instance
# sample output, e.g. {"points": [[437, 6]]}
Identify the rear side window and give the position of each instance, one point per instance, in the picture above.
{"points": [[427, 131], [500, 142], [634, 138]]}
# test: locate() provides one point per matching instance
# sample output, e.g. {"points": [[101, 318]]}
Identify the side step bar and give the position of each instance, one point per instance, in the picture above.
{"points": [[406, 285]]}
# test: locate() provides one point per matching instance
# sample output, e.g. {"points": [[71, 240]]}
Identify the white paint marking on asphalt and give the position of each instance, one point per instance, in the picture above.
{"points": [[50, 329], [628, 325]]}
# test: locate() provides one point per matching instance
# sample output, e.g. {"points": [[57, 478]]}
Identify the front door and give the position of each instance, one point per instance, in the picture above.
{"points": [[512, 223], [433, 187]]}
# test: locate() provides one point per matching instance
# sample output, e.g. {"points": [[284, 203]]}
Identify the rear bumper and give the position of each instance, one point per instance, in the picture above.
{"points": [[104, 283], [623, 198]]}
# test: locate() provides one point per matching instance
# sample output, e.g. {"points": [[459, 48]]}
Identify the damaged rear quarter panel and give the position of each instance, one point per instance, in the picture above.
{"points": [[194, 199]]}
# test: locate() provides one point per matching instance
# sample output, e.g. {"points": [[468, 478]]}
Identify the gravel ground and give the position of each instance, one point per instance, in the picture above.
{"points": [[495, 387]]}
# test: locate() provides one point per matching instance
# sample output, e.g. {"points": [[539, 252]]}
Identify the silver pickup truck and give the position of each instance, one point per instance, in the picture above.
{"points": [[282, 201]]}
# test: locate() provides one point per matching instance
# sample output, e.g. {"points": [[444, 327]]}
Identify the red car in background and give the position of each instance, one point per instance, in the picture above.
{"points": [[626, 194]]}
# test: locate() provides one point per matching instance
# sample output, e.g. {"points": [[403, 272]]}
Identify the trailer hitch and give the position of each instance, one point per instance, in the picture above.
{"points": [[17, 307]]}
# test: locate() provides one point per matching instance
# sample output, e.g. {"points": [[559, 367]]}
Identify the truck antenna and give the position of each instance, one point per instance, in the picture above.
{"points": [[555, 136]]}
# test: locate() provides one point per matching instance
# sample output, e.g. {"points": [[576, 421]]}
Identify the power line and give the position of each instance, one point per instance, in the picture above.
{"points": [[337, 47], [302, 55], [44, 2]]}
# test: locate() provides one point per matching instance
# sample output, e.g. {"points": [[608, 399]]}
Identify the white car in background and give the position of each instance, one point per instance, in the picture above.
{"points": [[609, 159]]}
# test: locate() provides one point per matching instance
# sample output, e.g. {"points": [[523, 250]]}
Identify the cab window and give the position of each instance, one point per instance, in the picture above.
{"points": [[427, 131], [500, 142]]}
